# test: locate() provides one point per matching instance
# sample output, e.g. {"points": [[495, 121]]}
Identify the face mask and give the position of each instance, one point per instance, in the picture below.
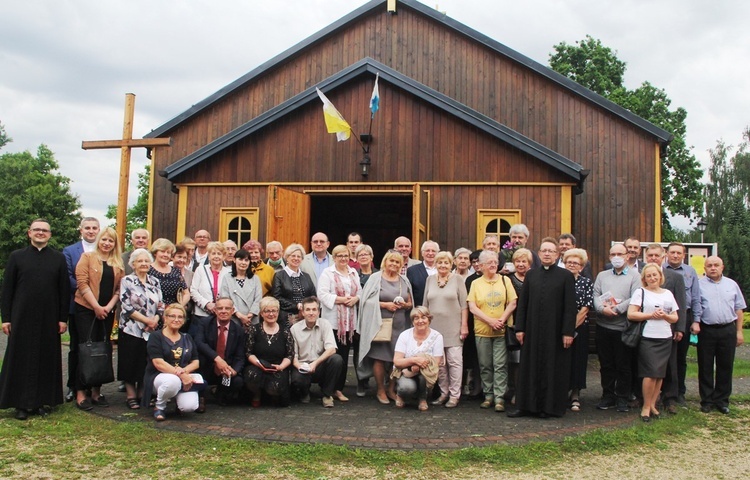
{"points": [[618, 262], [274, 263]]}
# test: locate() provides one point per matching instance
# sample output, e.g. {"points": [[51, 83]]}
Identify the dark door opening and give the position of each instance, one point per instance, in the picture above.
{"points": [[378, 218]]}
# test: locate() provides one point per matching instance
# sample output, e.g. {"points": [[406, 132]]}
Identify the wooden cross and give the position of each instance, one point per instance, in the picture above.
{"points": [[125, 145]]}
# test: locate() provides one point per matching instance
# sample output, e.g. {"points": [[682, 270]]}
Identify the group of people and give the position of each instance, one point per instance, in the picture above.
{"points": [[204, 319]]}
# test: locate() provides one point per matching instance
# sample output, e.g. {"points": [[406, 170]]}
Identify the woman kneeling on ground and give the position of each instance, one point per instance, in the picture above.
{"points": [[417, 358], [172, 360]]}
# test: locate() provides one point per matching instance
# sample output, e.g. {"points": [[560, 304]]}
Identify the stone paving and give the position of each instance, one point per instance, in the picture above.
{"points": [[364, 423]]}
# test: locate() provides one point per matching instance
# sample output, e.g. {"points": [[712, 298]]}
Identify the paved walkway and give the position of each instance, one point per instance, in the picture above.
{"points": [[364, 423]]}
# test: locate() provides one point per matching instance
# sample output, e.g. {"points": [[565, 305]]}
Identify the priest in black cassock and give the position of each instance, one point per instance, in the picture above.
{"points": [[35, 301], [545, 325]]}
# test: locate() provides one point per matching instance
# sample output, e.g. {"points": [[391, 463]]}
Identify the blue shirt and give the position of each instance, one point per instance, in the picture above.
{"points": [[320, 265], [692, 288], [720, 300]]}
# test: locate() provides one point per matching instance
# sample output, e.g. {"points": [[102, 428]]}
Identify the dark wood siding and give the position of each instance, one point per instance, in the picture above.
{"points": [[620, 156], [418, 145]]}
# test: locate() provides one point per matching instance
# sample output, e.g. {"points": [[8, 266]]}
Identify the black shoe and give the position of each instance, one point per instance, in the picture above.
{"points": [[605, 404], [622, 405], [85, 405], [70, 395], [724, 410], [706, 408], [201, 405], [21, 414], [517, 413], [101, 401], [681, 400], [542, 415], [42, 411]]}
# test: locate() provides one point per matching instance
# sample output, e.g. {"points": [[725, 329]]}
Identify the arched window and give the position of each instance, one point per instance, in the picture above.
{"points": [[239, 225], [496, 222]]}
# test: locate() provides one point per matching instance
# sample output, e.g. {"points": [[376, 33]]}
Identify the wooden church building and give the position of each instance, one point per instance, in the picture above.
{"points": [[470, 138]]}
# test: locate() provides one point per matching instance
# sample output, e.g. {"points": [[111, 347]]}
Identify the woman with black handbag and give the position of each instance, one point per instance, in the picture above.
{"points": [[656, 307], [98, 274]]}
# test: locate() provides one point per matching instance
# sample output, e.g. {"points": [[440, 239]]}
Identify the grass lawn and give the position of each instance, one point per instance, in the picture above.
{"points": [[73, 444]]}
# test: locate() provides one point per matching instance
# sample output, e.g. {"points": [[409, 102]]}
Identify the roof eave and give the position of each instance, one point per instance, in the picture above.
{"points": [[427, 94]]}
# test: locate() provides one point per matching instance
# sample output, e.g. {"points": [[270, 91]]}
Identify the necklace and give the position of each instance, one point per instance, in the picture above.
{"points": [[270, 336], [444, 283]]}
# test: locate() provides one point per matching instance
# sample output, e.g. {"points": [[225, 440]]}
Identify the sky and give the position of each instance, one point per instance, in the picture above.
{"points": [[66, 65]]}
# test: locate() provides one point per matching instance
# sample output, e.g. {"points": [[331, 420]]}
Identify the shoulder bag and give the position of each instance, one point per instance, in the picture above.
{"points": [[95, 360], [511, 341], [385, 334], [631, 336]]}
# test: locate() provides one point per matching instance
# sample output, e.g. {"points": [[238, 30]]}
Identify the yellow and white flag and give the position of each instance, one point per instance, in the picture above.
{"points": [[334, 120]]}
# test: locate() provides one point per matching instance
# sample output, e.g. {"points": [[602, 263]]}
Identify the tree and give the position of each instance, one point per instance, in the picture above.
{"points": [[4, 138], [597, 68], [137, 215], [33, 188], [728, 207]]}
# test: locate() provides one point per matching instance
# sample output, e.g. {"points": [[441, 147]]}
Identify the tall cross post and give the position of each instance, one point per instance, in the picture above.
{"points": [[125, 145]]}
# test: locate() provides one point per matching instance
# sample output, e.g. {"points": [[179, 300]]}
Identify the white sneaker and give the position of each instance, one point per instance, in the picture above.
{"points": [[328, 402]]}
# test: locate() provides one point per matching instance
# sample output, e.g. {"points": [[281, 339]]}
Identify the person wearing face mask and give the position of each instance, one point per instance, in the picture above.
{"points": [[275, 255], [612, 291]]}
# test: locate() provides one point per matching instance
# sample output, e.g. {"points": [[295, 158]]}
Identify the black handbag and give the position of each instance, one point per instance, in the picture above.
{"points": [[95, 361], [631, 336], [511, 341]]}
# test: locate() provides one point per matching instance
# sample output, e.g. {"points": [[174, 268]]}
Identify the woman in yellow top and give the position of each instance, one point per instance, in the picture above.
{"points": [[98, 274], [492, 300]]}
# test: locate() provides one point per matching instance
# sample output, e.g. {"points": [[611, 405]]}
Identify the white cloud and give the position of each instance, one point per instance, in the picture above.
{"points": [[66, 65]]}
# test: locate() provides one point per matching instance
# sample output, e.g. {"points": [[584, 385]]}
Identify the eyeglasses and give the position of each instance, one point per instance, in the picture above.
{"points": [[547, 250], [575, 264], [271, 312], [342, 256], [173, 316], [40, 230]]}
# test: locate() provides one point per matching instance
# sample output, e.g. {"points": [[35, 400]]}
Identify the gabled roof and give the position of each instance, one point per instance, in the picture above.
{"points": [[662, 135], [368, 66]]}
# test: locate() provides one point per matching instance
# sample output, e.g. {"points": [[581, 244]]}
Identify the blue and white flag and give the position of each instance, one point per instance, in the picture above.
{"points": [[375, 99]]}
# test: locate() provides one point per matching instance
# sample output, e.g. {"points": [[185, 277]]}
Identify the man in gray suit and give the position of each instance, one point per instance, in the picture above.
{"points": [[319, 259]]}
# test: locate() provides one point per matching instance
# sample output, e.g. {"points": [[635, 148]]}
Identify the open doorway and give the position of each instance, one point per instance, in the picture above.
{"points": [[378, 218]]}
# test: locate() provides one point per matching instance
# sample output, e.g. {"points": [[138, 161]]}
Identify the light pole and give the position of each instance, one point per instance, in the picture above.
{"points": [[701, 225]]}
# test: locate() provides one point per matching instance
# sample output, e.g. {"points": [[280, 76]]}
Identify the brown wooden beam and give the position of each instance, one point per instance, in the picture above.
{"points": [[130, 143]]}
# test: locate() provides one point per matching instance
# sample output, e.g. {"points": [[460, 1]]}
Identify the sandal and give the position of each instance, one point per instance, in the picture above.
{"points": [[423, 406], [133, 403], [575, 406], [159, 415], [399, 402]]}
